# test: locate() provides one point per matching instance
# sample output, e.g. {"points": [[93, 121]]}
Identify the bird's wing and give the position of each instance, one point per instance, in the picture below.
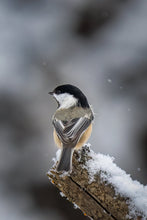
{"points": [[69, 132]]}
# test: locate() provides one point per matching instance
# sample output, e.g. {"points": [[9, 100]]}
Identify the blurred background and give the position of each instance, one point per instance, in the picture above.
{"points": [[99, 46]]}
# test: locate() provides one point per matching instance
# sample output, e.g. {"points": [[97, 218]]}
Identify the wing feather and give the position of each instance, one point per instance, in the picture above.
{"points": [[70, 132]]}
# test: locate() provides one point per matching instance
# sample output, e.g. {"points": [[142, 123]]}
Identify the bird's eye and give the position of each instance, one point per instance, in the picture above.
{"points": [[58, 92]]}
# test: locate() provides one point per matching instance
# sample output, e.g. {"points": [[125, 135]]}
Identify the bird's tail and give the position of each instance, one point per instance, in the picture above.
{"points": [[65, 162]]}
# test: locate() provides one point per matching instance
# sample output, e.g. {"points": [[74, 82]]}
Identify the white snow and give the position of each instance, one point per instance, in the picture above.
{"points": [[121, 181], [62, 194], [76, 206], [109, 80], [58, 153]]}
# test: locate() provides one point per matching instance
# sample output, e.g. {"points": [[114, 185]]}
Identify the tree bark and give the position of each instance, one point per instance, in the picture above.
{"points": [[97, 199]]}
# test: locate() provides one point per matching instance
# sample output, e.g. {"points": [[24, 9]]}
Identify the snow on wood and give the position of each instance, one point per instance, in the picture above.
{"points": [[100, 188]]}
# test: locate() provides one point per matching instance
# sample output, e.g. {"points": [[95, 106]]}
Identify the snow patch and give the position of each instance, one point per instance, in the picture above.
{"points": [[62, 194], [109, 80], [121, 181], [76, 206], [58, 153]]}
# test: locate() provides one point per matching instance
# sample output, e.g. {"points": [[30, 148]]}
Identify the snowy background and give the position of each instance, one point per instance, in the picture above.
{"points": [[99, 46]]}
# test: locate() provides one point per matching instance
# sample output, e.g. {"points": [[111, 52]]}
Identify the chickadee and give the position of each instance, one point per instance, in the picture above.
{"points": [[72, 122]]}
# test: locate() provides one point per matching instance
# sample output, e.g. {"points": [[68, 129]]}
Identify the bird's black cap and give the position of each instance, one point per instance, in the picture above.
{"points": [[72, 90]]}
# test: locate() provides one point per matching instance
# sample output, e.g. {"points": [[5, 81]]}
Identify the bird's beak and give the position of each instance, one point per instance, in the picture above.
{"points": [[51, 93]]}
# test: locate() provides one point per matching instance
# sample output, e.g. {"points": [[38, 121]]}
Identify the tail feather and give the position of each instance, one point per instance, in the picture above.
{"points": [[65, 162]]}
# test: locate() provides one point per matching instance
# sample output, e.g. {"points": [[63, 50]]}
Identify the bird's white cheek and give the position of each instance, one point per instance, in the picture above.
{"points": [[65, 100], [59, 98]]}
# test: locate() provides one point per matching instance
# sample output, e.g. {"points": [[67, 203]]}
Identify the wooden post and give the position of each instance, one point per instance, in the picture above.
{"points": [[97, 199]]}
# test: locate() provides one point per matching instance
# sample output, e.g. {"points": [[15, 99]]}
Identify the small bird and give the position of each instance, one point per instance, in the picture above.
{"points": [[72, 122]]}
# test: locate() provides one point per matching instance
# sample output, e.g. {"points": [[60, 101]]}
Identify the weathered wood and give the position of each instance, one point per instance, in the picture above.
{"points": [[97, 199]]}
